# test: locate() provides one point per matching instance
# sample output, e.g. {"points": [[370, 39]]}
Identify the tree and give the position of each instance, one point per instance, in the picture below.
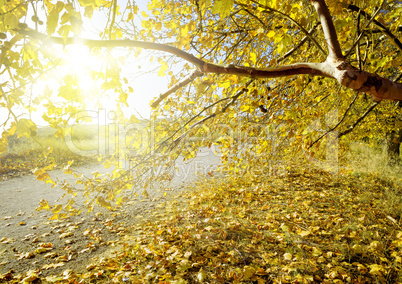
{"points": [[248, 70]]}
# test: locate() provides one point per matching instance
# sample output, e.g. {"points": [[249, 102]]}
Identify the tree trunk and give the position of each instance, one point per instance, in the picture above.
{"points": [[393, 145]]}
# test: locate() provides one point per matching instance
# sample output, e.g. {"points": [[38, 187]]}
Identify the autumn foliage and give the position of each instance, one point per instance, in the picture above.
{"points": [[260, 82]]}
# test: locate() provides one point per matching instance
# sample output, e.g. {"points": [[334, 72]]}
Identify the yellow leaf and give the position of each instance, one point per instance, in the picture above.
{"points": [[201, 275], [57, 208], [304, 233], [163, 68], [376, 269], [222, 7], [43, 205], [248, 272], [271, 34], [42, 250], [102, 202], [288, 256], [26, 127], [65, 235], [54, 217], [130, 17], [253, 57]]}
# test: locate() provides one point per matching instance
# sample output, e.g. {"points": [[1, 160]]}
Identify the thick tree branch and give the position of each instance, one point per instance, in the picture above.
{"points": [[361, 81], [328, 27], [206, 67], [333, 67]]}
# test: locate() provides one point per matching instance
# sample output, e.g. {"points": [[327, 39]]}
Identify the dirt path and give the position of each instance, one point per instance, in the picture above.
{"points": [[28, 240]]}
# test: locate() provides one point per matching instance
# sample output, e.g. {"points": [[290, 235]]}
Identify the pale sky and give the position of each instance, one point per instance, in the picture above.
{"points": [[146, 84]]}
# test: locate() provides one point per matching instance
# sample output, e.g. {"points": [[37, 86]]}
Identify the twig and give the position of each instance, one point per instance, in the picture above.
{"points": [[234, 98], [293, 21], [383, 29], [178, 85], [350, 128], [290, 52], [336, 126], [362, 33]]}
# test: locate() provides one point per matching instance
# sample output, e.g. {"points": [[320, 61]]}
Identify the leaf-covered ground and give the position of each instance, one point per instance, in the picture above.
{"points": [[305, 226]]}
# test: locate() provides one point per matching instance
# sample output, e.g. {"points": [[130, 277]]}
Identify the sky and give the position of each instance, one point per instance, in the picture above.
{"points": [[146, 84]]}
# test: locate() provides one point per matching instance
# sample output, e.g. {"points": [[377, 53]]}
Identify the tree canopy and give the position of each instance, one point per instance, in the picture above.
{"points": [[260, 78]]}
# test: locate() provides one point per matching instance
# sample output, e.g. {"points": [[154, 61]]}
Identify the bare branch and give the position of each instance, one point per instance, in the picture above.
{"points": [[290, 52], [339, 122], [178, 85], [296, 23], [328, 27], [350, 128], [234, 99], [113, 18], [383, 29], [362, 33], [316, 69]]}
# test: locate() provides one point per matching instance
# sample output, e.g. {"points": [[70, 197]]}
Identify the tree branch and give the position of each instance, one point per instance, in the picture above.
{"points": [[296, 23], [362, 33], [328, 27], [234, 99], [334, 67], [178, 85], [290, 52], [339, 122], [383, 29], [350, 128], [316, 69]]}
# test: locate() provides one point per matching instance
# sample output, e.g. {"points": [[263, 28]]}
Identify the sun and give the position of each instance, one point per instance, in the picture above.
{"points": [[87, 68], [78, 60]]}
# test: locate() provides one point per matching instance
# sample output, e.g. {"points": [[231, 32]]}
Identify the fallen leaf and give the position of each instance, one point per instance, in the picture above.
{"points": [[42, 250], [6, 241], [26, 255], [248, 272], [288, 256], [53, 265], [31, 276], [65, 235]]}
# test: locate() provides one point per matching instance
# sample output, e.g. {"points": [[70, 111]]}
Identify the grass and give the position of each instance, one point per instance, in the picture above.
{"points": [[363, 161], [45, 150]]}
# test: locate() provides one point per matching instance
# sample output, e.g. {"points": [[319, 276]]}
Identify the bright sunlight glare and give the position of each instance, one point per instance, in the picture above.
{"points": [[87, 67], [80, 62]]}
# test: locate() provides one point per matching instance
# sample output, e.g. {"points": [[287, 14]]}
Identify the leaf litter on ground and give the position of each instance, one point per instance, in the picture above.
{"points": [[305, 226]]}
